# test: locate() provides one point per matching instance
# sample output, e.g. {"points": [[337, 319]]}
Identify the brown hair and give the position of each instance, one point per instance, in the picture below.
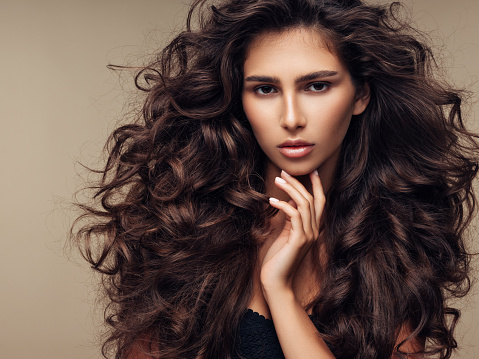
{"points": [[182, 207]]}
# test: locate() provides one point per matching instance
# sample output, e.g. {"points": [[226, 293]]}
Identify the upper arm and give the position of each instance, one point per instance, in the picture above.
{"points": [[137, 353], [413, 347], [139, 350]]}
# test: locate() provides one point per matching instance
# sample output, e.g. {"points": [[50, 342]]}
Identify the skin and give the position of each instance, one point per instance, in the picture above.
{"points": [[295, 88]]}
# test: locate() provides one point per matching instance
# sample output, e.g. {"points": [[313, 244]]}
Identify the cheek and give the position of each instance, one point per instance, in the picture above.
{"points": [[332, 115], [248, 109], [257, 116]]}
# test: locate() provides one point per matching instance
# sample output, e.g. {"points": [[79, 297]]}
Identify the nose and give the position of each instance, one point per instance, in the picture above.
{"points": [[292, 117]]}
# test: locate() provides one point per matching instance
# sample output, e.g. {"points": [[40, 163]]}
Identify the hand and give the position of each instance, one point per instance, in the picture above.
{"points": [[301, 229]]}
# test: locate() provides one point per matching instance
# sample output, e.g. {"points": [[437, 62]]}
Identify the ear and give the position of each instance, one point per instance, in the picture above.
{"points": [[362, 100]]}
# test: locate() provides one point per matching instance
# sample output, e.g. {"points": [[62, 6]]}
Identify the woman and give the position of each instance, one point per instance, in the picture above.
{"points": [[298, 184]]}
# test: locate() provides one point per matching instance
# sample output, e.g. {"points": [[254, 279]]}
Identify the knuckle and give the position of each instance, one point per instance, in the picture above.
{"points": [[304, 200], [296, 215], [309, 235], [301, 241]]}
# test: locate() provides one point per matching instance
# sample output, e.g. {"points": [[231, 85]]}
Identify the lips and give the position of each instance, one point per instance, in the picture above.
{"points": [[295, 148]]}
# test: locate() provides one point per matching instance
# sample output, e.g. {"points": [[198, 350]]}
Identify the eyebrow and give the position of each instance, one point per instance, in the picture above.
{"points": [[308, 77]]}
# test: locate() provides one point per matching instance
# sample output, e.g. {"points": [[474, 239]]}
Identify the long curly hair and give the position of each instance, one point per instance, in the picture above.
{"points": [[181, 209]]}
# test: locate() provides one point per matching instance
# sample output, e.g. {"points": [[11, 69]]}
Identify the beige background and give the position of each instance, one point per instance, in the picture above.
{"points": [[57, 105]]}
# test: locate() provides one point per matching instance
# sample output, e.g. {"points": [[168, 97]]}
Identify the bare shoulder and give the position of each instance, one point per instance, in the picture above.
{"points": [[412, 346]]}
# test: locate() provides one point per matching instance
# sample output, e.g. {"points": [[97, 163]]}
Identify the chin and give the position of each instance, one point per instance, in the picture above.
{"points": [[294, 168], [297, 171]]}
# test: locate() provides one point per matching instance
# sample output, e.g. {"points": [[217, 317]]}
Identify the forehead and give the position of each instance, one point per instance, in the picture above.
{"points": [[298, 49]]}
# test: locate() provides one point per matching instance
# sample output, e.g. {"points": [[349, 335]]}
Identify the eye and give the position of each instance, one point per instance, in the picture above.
{"points": [[265, 90], [318, 87]]}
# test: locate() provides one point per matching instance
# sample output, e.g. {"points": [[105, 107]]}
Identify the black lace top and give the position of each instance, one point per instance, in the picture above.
{"points": [[257, 338]]}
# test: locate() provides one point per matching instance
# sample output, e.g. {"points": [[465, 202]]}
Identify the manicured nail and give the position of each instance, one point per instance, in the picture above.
{"points": [[286, 173], [280, 180], [272, 199], [316, 172]]}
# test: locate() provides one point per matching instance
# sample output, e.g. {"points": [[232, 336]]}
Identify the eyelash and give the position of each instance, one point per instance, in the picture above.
{"points": [[324, 86], [259, 88]]}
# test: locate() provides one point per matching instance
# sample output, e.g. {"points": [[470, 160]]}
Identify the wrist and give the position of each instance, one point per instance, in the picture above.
{"points": [[278, 295]]}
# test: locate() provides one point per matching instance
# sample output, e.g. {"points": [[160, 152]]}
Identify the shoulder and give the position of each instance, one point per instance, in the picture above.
{"points": [[409, 344]]}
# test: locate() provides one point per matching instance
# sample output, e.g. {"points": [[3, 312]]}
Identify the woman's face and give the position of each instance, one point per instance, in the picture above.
{"points": [[299, 99]]}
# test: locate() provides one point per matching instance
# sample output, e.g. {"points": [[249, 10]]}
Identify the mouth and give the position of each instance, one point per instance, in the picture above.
{"points": [[295, 148]]}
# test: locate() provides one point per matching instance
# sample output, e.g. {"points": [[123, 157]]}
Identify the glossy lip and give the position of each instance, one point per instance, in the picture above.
{"points": [[295, 148]]}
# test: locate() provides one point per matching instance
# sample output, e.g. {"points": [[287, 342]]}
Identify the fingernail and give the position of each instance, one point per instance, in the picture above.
{"points": [[316, 172], [272, 199], [286, 173], [280, 180]]}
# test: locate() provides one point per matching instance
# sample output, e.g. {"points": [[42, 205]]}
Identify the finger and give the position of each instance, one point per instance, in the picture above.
{"points": [[306, 194], [303, 204], [297, 234], [296, 184], [319, 196]]}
